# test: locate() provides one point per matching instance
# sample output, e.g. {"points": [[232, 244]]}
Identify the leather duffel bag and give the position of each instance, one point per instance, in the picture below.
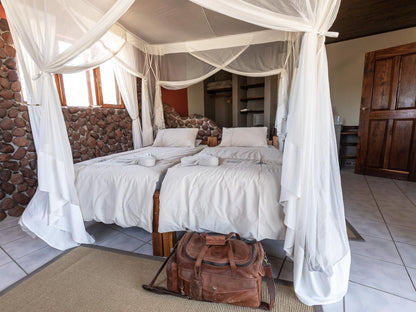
{"points": [[218, 268]]}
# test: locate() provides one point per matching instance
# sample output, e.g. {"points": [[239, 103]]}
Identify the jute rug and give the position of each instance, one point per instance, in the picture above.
{"points": [[353, 233], [91, 279]]}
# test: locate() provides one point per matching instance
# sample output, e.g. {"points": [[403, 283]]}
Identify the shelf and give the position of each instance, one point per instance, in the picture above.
{"points": [[349, 132], [255, 98], [246, 111], [252, 85], [221, 95], [348, 144], [221, 90], [348, 156]]}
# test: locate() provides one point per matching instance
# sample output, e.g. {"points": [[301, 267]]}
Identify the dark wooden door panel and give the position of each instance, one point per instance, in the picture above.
{"points": [[401, 143], [382, 84], [387, 133], [406, 95], [376, 143]]}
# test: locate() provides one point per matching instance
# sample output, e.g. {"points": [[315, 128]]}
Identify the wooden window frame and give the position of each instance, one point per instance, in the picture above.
{"points": [[59, 80]]}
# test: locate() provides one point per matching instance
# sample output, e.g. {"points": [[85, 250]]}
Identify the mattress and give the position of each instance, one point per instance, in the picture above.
{"points": [[115, 189], [240, 195]]}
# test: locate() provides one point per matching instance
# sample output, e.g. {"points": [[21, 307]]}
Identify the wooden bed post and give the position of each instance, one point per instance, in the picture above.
{"points": [[162, 242]]}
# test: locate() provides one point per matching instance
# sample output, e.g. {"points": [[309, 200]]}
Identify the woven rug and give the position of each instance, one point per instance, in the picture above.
{"points": [[97, 279], [353, 233]]}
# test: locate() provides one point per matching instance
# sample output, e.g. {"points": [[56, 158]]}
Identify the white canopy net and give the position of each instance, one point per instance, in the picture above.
{"points": [[174, 44]]}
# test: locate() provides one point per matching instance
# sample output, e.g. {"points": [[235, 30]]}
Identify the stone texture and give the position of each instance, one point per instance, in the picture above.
{"points": [[3, 215], [7, 203], [206, 126]]}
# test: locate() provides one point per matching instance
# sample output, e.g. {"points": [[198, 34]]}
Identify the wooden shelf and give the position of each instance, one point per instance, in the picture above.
{"points": [[349, 132], [255, 98], [222, 90], [243, 111], [252, 85], [347, 156]]}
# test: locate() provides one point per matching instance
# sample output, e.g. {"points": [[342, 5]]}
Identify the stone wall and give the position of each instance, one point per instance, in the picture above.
{"points": [[92, 132], [17, 151], [97, 131], [206, 126]]}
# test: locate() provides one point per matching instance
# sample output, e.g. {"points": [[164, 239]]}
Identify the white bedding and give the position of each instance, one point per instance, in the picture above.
{"points": [[115, 189], [240, 195]]}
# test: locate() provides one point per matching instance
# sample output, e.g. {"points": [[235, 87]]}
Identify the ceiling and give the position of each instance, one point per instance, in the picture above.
{"points": [[359, 18]]}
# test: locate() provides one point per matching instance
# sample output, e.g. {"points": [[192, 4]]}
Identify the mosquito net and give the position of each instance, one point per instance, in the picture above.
{"points": [[174, 44]]}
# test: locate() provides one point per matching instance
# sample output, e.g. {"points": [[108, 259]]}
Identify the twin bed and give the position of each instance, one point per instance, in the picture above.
{"points": [[240, 194]]}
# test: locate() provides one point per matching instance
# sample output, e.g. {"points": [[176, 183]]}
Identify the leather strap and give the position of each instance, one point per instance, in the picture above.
{"points": [[198, 262]]}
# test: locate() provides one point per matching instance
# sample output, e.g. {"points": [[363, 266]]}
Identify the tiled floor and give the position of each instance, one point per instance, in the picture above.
{"points": [[383, 270]]}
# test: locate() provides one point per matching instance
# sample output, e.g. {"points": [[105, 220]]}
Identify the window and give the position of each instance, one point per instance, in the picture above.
{"points": [[95, 87]]}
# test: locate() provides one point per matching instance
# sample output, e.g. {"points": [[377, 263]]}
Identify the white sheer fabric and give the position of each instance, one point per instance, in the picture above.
{"points": [[316, 237], [127, 84], [180, 43], [53, 214]]}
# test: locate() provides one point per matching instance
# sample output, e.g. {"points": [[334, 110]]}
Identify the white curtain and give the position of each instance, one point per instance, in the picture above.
{"points": [[37, 26], [316, 236], [127, 84]]}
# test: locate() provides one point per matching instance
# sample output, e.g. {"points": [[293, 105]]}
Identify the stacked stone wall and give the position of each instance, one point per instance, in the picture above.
{"points": [[206, 126]]}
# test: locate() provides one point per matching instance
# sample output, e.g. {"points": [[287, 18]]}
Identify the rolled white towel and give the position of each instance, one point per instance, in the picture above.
{"points": [[147, 161], [201, 160]]}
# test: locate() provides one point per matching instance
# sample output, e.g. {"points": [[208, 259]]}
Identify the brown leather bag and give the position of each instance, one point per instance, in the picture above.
{"points": [[218, 268]]}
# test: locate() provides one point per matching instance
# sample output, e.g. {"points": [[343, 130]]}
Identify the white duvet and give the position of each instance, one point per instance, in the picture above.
{"points": [[116, 189], [240, 195]]}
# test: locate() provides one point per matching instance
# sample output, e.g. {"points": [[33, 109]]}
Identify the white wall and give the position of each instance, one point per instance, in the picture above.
{"points": [[346, 68], [196, 99]]}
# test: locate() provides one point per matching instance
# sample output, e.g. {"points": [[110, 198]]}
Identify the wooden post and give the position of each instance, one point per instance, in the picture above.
{"points": [[162, 242]]}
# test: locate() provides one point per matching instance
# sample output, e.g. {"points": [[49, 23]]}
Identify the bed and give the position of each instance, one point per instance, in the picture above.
{"points": [[241, 194], [116, 189]]}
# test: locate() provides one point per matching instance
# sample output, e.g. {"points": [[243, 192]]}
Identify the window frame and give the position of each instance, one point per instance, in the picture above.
{"points": [[96, 79]]}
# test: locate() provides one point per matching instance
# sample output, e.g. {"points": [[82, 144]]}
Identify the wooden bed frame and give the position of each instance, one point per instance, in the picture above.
{"points": [[164, 242]]}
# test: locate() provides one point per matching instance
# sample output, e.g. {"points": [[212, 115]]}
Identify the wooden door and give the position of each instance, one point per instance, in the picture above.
{"points": [[387, 132]]}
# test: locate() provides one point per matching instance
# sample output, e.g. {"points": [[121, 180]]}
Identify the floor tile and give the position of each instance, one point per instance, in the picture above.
{"points": [[36, 259], [4, 258], [335, 307], [364, 299], [146, 249], [276, 264], [11, 234], [371, 215], [371, 228], [376, 248], [287, 271], [412, 273], [273, 248], [101, 231], [23, 246], [122, 242], [385, 276], [10, 273], [403, 234], [408, 253], [139, 233], [9, 222]]}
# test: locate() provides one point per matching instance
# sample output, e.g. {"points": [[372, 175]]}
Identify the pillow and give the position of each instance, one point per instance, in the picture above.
{"points": [[176, 137], [254, 136]]}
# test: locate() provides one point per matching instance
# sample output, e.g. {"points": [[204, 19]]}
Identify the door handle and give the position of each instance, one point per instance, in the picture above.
{"points": [[364, 108]]}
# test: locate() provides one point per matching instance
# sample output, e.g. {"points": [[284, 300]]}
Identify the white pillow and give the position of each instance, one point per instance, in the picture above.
{"points": [[176, 137], [254, 136]]}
